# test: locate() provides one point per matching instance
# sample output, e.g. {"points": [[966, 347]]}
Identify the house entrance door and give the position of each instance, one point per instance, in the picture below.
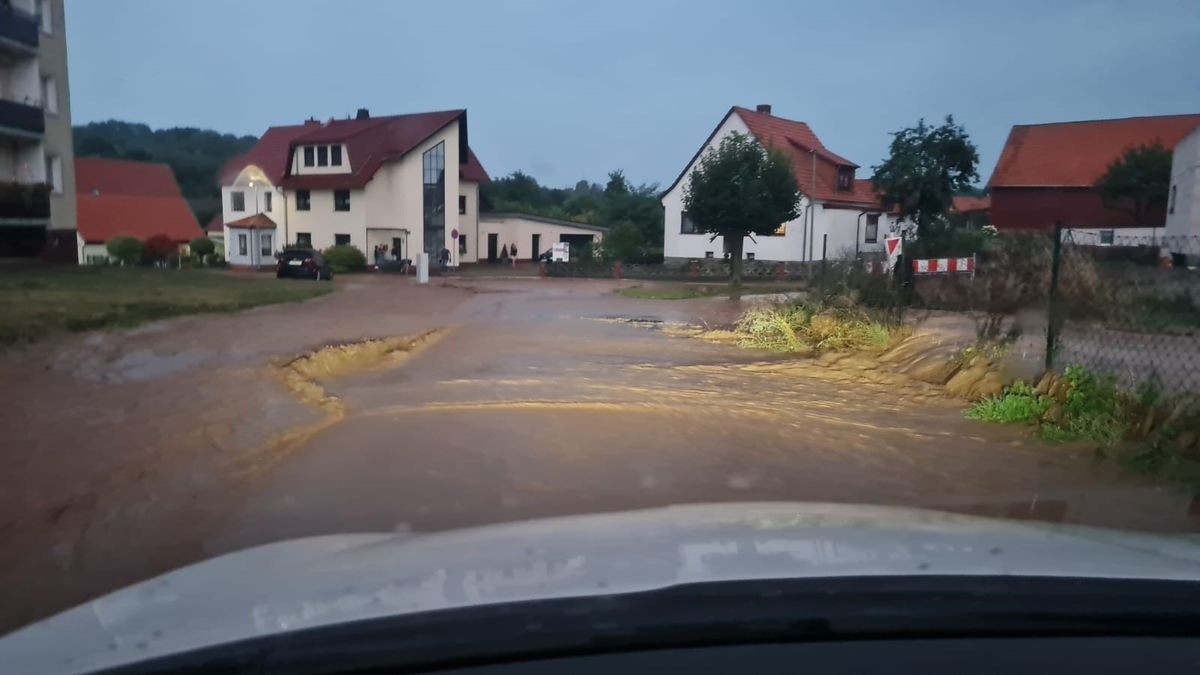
{"points": [[493, 246]]}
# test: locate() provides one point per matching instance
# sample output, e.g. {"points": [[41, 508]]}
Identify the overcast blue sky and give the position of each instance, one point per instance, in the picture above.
{"points": [[568, 90]]}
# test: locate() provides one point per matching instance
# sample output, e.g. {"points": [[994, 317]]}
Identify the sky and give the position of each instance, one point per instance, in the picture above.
{"points": [[567, 90]]}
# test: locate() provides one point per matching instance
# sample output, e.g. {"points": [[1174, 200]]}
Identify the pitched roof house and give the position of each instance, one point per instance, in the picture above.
{"points": [[407, 182], [121, 197], [1046, 172], [841, 214]]}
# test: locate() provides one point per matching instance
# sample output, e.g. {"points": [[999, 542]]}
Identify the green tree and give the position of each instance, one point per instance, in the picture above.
{"points": [[741, 189], [125, 250], [926, 167], [623, 242], [1137, 181], [202, 246]]}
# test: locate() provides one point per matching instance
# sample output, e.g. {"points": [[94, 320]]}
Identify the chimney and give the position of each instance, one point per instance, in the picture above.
{"points": [[764, 108], [363, 114], [311, 122]]}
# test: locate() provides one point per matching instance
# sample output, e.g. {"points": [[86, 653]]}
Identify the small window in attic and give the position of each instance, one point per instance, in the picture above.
{"points": [[845, 178]]}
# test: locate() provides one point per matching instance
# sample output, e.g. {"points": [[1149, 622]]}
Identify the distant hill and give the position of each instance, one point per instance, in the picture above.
{"points": [[193, 154]]}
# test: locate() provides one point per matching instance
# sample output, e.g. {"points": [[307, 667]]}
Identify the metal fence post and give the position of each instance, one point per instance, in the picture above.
{"points": [[824, 245], [1052, 319]]}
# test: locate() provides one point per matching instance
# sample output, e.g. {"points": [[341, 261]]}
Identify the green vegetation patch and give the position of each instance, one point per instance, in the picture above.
{"points": [[36, 302], [806, 327], [688, 291]]}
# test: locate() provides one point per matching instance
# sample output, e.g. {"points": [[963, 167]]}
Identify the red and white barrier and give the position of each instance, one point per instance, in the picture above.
{"points": [[944, 266]]}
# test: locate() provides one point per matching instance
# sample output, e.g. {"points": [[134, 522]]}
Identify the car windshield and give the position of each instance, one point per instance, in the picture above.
{"points": [[277, 270]]}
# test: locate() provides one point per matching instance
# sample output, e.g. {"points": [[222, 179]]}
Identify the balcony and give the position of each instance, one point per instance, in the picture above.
{"points": [[24, 203], [21, 120], [18, 31]]}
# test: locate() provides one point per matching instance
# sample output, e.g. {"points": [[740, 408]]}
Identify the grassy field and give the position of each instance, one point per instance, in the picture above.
{"points": [[686, 291], [36, 302]]}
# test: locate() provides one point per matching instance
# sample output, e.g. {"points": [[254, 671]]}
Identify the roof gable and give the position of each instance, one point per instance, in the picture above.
{"points": [[138, 199], [1076, 154]]}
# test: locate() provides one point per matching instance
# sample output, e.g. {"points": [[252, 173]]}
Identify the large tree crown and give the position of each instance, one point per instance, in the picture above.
{"points": [[741, 188]]}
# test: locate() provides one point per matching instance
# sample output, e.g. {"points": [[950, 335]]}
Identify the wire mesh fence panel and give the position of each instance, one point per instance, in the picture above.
{"points": [[1128, 306]]}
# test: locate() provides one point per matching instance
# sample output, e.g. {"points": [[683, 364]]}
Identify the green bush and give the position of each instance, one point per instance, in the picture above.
{"points": [[202, 246], [125, 250], [345, 258], [1019, 404]]}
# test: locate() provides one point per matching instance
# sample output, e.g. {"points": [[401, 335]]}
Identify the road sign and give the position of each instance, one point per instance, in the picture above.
{"points": [[894, 247], [454, 233]]}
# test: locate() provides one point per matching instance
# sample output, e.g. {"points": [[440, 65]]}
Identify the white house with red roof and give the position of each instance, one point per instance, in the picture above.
{"points": [[117, 197], [840, 214], [408, 182]]}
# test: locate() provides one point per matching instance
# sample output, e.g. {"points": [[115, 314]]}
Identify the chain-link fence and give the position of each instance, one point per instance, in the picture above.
{"points": [[1126, 306]]}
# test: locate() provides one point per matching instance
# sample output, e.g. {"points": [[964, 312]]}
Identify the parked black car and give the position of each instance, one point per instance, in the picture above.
{"points": [[303, 263]]}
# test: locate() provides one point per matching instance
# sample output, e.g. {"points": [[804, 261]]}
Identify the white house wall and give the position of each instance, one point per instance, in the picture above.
{"points": [[518, 230], [1184, 221], [841, 225], [468, 223]]}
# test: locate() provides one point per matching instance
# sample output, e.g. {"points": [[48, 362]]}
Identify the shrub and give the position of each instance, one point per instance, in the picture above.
{"points": [[202, 246], [125, 250], [1019, 404], [810, 327], [345, 258], [158, 248]]}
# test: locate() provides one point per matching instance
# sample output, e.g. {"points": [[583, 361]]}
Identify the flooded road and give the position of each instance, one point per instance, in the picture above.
{"points": [[129, 454]]}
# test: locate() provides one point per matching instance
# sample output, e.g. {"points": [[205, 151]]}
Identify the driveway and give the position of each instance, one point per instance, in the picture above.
{"points": [[128, 454]]}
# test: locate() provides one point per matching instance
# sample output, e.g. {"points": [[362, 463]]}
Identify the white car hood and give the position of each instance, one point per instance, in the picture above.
{"points": [[333, 579]]}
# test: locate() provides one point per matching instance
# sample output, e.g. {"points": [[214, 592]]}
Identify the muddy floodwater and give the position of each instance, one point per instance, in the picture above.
{"points": [[467, 402]]}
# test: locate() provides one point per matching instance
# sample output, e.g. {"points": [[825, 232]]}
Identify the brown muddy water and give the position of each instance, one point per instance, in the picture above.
{"points": [[470, 402]]}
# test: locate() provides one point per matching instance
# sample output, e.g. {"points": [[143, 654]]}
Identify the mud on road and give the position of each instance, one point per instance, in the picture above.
{"points": [[468, 402]]}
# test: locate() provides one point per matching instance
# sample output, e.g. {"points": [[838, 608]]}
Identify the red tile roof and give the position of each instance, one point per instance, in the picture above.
{"points": [[216, 224], [369, 143], [808, 153], [473, 170], [139, 199], [256, 221], [967, 204], [1076, 154]]}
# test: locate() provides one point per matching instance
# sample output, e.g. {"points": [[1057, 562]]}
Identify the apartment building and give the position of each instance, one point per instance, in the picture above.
{"points": [[408, 182], [37, 175]]}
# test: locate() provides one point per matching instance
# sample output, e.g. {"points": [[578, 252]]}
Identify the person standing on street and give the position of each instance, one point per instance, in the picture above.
{"points": [[512, 253]]}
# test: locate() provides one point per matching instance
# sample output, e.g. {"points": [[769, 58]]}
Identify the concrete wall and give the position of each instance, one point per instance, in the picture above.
{"points": [[1183, 213], [512, 229], [52, 62]]}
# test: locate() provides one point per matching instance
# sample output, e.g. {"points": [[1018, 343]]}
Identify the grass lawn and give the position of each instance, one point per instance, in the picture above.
{"points": [[686, 291], [39, 301]]}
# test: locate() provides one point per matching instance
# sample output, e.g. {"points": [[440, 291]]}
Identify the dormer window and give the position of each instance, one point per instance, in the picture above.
{"points": [[322, 155], [308, 155], [335, 155], [845, 178]]}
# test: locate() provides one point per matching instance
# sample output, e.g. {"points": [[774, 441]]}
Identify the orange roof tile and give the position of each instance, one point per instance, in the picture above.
{"points": [[967, 203], [1076, 154], [256, 221], [138, 199]]}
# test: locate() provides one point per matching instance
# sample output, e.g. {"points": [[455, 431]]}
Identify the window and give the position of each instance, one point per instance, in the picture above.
{"points": [[845, 178], [266, 201], [708, 255], [433, 176], [237, 201], [47, 13], [462, 245], [462, 204], [304, 238], [341, 240], [1171, 206], [341, 200], [50, 95], [322, 155], [303, 202], [686, 226], [335, 155], [264, 241], [54, 173], [242, 244], [749, 255], [871, 236], [1106, 237], [308, 156]]}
